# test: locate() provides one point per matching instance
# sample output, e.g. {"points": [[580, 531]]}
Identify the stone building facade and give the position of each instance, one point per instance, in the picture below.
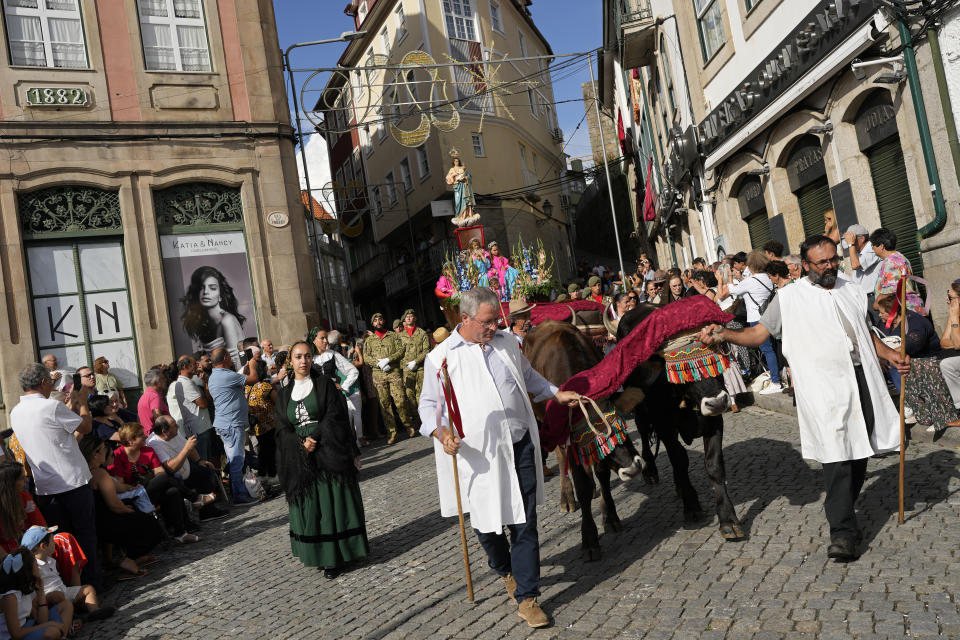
{"points": [[147, 183]]}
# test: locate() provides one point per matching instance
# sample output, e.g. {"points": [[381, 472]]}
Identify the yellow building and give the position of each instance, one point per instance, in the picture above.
{"points": [[508, 139], [146, 153]]}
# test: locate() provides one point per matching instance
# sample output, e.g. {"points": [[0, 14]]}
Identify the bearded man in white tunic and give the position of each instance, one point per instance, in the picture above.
{"points": [[501, 476], [845, 412]]}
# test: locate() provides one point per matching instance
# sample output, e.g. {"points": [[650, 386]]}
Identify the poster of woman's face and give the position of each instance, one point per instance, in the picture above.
{"points": [[209, 297]]}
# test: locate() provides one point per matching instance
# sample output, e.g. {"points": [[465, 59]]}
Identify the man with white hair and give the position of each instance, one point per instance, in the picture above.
{"points": [[501, 484], [864, 263], [59, 375]]}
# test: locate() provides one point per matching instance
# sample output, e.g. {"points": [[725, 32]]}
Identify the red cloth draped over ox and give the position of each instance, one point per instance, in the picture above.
{"points": [[557, 311], [637, 347]]}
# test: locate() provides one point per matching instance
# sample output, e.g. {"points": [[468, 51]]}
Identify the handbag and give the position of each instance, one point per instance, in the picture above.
{"points": [[253, 485]]}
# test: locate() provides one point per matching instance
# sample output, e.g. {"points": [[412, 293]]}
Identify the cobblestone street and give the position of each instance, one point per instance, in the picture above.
{"points": [[656, 579]]}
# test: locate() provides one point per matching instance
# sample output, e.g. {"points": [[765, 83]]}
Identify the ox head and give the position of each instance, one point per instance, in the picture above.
{"points": [[707, 396], [625, 461]]}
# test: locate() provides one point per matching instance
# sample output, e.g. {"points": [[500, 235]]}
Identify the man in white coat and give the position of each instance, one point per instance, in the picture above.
{"points": [[501, 477], [845, 412]]}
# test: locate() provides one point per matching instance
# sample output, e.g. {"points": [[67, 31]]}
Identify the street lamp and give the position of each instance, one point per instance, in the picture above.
{"points": [[346, 36], [547, 209]]}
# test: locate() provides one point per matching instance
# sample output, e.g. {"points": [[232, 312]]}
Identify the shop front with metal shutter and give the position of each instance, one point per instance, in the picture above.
{"points": [[880, 141], [808, 181], [753, 211]]}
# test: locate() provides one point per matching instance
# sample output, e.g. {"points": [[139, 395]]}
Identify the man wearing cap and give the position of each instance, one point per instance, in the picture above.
{"points": [[416, 346], [863, 261], [383, 350], [596, 291], [573, 291]]}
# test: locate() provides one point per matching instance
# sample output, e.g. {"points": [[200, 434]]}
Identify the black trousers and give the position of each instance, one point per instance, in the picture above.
{"points": [[844, 480]]}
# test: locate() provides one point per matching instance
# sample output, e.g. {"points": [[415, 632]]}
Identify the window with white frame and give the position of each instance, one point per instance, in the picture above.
{"points": [[377, 202], [45, 33], [533, 102], [405, 176], [174, 35], [523, 44], [390, 187], [477, 139], [536, 170], [365, 139], [412, 87], [357, 172], [385, 40], [423, 161], [523, 165], [710, 26], [459, 19], [361, 12], [401, 19], [495, 20], [380, 125]]}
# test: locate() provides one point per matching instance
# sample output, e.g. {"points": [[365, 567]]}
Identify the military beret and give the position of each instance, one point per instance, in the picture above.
{"points": [[396, 323], [593, 280], [572, 287], [408, 312], [561, 298], [375, 316]]}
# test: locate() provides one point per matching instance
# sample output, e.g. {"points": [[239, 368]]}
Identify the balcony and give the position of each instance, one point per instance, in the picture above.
{"points": [[637, 32]]}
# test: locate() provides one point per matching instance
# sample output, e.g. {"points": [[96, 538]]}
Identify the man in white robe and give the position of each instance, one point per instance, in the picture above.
{"points": [[501, 476], [845, 412]]}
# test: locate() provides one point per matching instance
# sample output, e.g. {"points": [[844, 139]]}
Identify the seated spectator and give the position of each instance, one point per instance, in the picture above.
{"points": [[135, 463], [894, 266], [39, 541], [179, 456], [25, 614], [119, 524], [60, 376], [950, 366], [18, 512], [45, 429], [106, 382], [926, 392], [151, 403], [105, 418]]}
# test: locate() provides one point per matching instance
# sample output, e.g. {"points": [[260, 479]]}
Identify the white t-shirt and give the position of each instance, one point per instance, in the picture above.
{"points": [[45, 429], [167, 449], [51, 579], [24, 606], [193, 418], [754, 290]]}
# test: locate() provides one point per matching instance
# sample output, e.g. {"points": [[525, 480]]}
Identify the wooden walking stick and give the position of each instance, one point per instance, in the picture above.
{"points": [[903, 387], [453, 411]]}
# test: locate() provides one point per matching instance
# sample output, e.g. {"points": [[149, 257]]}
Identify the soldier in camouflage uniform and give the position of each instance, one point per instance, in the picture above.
{"points": [[384, 351], [416, 347], [596, 291]]}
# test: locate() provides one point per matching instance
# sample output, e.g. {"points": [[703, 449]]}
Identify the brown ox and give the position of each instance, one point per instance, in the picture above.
{"points": [[559, 351]]}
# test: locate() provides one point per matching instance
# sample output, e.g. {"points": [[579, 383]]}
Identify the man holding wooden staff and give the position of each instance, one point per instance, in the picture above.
{"points": [[500, 471], [845, 412]]}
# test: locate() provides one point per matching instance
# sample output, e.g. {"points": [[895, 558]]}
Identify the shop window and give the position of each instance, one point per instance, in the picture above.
{"points": [[45, 33], [174, 35], [710, 26]]}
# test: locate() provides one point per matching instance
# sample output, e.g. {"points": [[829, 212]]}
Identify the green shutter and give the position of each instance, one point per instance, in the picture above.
{"points": [[893, 198], [814, 200], [759, 227]]}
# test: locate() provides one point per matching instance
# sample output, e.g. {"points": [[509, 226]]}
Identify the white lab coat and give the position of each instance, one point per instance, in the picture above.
{"points": [[832, 427], [489, 488]]}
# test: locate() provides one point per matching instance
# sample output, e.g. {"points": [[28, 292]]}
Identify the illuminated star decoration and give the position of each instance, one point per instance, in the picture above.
{"points": [[489, 82]]}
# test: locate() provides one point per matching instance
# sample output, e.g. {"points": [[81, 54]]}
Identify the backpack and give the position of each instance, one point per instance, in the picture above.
{"points": [[761, 308]]}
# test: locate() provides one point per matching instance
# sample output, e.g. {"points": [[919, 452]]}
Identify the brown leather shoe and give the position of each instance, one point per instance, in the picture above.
{"points": [[393, 438], [511, 586], [955, 423], [530, 611], [411, 431]]}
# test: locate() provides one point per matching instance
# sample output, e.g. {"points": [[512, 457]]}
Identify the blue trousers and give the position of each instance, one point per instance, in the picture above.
{"points": [[205, 445], [522, 556], [233, 440], [770, 357]]}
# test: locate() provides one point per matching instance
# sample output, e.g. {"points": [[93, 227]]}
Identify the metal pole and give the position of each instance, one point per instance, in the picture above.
{"points": [[945, 103], [606, 166], [311, 232], [923, 128]]}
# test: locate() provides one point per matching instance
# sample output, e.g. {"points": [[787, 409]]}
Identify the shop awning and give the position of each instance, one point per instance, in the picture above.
{"points": [[807, 84]]}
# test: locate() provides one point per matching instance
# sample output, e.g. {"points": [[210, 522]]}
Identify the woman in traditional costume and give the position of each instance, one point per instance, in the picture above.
{"points": [[463, 200], [318, 471]]}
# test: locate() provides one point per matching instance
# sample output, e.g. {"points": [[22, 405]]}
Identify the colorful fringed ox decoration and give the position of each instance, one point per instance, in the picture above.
{"points": [[693, 361], [588, 448]]}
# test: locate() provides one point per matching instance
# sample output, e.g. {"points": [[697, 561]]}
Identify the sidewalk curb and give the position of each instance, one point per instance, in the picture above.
{"points": [[782, 403]]}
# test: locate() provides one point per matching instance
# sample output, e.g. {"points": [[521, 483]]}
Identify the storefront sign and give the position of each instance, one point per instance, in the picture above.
{"points": [[278, 219], [819, 33], [875, 124], [209, 296], [805, 166], [751, 199], [57, 97]]}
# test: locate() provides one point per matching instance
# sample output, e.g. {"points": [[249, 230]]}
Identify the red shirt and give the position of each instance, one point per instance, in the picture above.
{"points": [[149, 401], [122, 467]]}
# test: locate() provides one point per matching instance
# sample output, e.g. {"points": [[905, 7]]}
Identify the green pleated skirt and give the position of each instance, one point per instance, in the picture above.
{"points": [[327, 526]]}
